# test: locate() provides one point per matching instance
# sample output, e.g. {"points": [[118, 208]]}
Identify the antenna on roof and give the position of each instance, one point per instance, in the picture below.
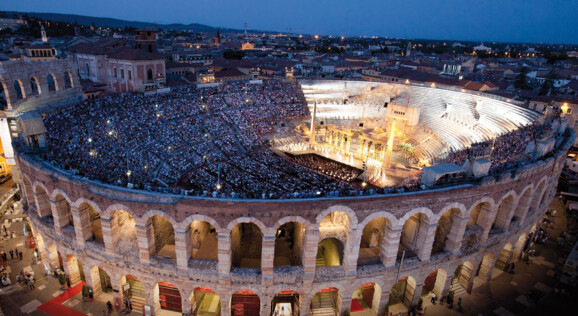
{"points": [[245, 27]]}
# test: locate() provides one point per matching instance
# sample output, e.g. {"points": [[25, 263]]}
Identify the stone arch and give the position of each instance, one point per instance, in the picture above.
{"points": [[90, 219], [414, 232], [56, 261], [62, 213], [506, 208], [288, 219], [539, 193], [59, 192], [524, 202], [246, 243], [167, 297], [115, 207], [286, 302], [353, 222], [51, 83], [19, 88], [485, 267], [289, 243], [505, 257], [75, 270], [34, 86], [372, 238], [201, 240], [447, 224], [330, 252], [519, 246], [403, 291], [463, 276], [4, 92], [151, 213], [123, 233], [184, 224], [160, 234], [205, 301], [100, 280], [247, 219], [246, 301], [135, 290], [481, 218], [68, 82], [366, 297]]}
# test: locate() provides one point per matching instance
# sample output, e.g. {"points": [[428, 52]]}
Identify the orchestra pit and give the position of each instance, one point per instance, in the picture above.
{"points": [[279, 197]]}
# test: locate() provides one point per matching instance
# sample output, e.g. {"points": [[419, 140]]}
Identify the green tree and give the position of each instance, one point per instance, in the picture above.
{"points": [[548, 85], [521, 80]]}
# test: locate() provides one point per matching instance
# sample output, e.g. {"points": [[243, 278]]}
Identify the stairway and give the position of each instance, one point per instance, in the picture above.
{"points": [[137, 295], [323, 304]]}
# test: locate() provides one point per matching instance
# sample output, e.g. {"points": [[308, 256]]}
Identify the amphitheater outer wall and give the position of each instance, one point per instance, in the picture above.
{"points": [[507, 207]]}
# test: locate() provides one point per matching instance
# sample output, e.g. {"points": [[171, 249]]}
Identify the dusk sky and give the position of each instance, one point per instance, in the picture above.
{"points": [[548, 21]]}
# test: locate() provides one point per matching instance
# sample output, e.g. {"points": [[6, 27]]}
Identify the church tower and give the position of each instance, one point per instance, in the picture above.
{"points": [[408, 50], [43, 34]]}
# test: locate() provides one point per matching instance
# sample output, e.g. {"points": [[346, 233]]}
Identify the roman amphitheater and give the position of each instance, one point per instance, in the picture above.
{"points": [[178, 234]]}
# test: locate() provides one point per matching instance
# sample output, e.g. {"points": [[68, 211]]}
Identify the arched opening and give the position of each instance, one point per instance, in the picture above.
{"points": [[329, 252], [246, 243], [523, 206], [245, 303], [34, 87], [87, 69], [100, 281], [19, 90], [371, 241], [43, 203], [94, 223], [65, 218], [285, 303], [326, 302], [124, 235], [149, 74], [445, 225], [366, 299], [485, 268], [502, 220], [434, 283], [3, 97], [203, 243], [133, 289], [504, 258], [75, 270], [205, 302], [538, 196], [51, 81], [56, 261], [167, 297], [68, 80], [289, 244], [521, 245], [474, 228], [412, 229], [462, 277], [402, 293], [161, 231]]}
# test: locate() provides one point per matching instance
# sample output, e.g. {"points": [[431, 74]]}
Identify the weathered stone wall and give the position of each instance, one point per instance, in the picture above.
{"points": [[25, 69], [539, 178]]}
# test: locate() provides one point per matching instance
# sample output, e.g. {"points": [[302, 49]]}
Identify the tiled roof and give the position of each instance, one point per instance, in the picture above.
{"points": [[126, 53]]}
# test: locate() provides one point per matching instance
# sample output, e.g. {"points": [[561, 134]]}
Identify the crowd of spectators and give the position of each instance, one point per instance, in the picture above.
{"points": [[328, 167]]}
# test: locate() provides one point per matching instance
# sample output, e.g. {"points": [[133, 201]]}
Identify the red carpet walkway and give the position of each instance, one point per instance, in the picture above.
{"points": [[55, 307]]}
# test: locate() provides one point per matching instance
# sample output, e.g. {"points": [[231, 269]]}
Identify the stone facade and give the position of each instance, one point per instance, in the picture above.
{"points": [[497, 212], [63, 71]]}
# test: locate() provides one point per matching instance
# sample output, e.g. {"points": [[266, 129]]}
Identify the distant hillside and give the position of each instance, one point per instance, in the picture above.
{"points": [[89, 20]]}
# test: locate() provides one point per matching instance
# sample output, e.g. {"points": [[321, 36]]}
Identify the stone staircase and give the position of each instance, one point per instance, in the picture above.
{"points": [[137, 296], [323, 304]]}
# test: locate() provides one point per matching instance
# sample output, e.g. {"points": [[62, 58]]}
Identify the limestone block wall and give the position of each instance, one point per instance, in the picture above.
{"points": [[24, 70], [523, 193]]}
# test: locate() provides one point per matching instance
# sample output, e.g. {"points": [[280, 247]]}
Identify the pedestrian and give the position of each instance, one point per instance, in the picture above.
{"points": [[126, 303], [130, 305], [4, 226], [109, 305], [20, 255], [31, 284], [460, 305], [433, 298], [68, 281], [11, 254], [18, 279], [4, 256]]}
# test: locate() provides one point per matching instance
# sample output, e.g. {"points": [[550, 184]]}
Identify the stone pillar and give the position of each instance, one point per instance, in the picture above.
{"points": [[267, 256], [310, 252], [224, 255], [351, 253], [265, 303], [486, 223], [425, 239], [345, 303], [145, 242], [225, 304], [181, 250], [417, 294], [107, 236], [456, 234], [305, 304], [383, 300], [93, 278], [390, 246], [60, 218], [82, 227]]}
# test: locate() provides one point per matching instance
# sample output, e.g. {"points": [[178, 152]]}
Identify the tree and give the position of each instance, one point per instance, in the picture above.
{"points": [[62, 279], [548, 85], [84, 291], [521, 80]]}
